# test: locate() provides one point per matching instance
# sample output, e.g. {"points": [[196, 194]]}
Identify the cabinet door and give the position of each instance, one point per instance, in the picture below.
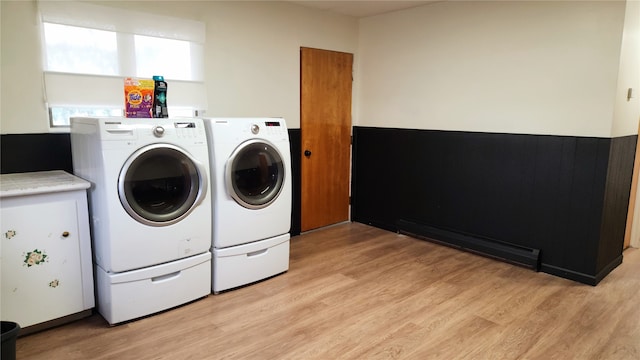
{"points": [[40, 256]]}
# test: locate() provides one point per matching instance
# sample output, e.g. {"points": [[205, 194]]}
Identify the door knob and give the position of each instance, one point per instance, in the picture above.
{"points": [[307, 153]]}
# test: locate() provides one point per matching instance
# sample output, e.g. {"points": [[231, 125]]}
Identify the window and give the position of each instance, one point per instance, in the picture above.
{"points": [[80, 50], [60, 115], [162, 56], [90, 49]]}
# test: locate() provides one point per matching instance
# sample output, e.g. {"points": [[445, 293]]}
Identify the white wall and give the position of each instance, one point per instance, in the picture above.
{"points": [[251, 56], [21, 95], [256, 71], [541, 67], [523, 67], [627, 112]]}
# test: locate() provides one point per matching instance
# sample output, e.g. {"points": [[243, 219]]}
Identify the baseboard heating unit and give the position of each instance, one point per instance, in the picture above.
{"points": [[500, 250]]}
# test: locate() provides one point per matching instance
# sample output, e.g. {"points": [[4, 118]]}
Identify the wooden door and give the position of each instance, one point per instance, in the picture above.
{"points": [[325, 125]]}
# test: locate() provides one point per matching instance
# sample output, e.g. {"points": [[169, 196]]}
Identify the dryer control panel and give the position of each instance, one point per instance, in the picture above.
{"points": [[269, 127]]}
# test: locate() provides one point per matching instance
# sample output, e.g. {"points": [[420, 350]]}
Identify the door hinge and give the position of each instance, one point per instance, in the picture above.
{"points": [[351, 140], [349, 200]]}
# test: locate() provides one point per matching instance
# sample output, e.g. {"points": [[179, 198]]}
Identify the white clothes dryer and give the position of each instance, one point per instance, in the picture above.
{"points": [[150, 210], [251, 166]]}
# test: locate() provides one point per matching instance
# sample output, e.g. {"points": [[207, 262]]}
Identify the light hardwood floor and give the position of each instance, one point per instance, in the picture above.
{"points": [[358, 292]]}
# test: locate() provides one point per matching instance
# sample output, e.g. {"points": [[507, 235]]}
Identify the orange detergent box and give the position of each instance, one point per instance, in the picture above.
{"points": [[138, 97]]}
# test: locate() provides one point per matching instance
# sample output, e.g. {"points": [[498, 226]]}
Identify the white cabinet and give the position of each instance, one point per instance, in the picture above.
{"points": [[45, 255]]}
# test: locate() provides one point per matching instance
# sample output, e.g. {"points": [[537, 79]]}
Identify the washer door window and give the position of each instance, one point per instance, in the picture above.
{"points": [[254, 174], [160, 184]]}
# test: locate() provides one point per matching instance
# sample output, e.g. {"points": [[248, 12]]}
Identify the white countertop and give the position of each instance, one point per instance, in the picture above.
{"points": [[40, 182]]}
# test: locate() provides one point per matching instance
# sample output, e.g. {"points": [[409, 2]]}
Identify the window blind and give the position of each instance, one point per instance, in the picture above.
{"points": [[82, 69]]}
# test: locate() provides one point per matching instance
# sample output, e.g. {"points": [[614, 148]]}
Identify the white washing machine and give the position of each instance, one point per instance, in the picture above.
{"points": [[150, 211], [251, 180]]}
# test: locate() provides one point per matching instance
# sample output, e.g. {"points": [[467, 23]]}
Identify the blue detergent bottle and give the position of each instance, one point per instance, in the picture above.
{"points": [[160, 98]]}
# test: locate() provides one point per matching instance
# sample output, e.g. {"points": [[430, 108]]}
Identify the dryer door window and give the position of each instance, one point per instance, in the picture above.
{"points": [[160, 184], [255, 174]]}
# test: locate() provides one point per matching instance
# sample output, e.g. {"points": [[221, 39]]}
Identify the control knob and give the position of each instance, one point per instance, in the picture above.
{"points": [[158, 131]]}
